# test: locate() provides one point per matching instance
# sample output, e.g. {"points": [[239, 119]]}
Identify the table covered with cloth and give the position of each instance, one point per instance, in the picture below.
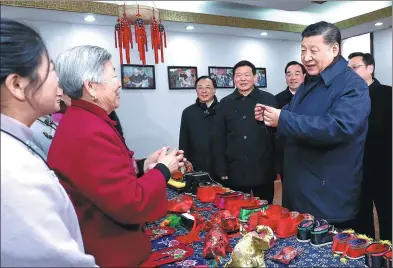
{"points": [[309, 257]]}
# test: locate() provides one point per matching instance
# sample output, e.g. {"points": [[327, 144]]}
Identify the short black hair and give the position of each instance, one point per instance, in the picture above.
{"points": [[21, 51], [245, 63], [331, 34], [206, 77], [295, 63], [367, 58]]}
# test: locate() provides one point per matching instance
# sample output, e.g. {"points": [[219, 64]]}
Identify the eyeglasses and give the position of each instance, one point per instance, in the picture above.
{"points": [[356, 66]]}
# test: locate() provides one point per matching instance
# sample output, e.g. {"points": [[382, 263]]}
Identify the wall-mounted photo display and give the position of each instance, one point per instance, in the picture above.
{"points": [[261, 78], [135, 76], [182, 77], [222, 75]]}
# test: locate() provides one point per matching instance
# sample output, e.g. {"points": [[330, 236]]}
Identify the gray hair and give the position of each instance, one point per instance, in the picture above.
{"points": [[80, 64]]}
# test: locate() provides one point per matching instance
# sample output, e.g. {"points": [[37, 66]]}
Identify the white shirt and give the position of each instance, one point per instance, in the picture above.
{"points": [[39, 226]]}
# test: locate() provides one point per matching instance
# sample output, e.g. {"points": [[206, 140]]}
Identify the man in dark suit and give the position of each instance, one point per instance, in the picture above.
{"points": [[294, 76], [244, 147], [196, 129], [377, 161]]}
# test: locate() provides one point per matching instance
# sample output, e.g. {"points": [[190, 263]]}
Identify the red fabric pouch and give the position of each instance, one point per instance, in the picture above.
{"points": [[207, 194], [221, 199], [180, 204], [287, 227]]}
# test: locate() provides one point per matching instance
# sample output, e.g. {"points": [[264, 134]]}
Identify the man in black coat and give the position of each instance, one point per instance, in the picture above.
{"points": [[244, 147], [196, 129], [377, 161], [294, 76]]}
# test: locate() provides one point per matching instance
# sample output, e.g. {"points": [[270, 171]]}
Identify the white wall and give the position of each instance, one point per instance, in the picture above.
{"points": [[383, 56], [360, 43], [151, 118]]}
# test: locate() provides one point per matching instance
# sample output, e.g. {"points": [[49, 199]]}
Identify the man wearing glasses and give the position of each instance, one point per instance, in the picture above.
{"points": [[197, 126], [244, 147], [377, 161], [294, 77]]}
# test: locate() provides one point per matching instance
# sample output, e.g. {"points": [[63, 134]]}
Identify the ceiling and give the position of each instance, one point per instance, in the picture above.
{"points": [[280, 4], [288, 11], [78, 18]]}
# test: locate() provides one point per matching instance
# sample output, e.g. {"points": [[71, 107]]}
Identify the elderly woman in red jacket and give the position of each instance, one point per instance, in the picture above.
{"points": [[113, 194]]}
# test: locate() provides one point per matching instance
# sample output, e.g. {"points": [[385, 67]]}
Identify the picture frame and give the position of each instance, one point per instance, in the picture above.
{"points": [[222, 75], [182, 77], [261, 78], [135, 76]]}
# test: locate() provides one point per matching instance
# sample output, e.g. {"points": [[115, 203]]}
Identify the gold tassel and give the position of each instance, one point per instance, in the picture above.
{"points": [[362, 236], [349, 231], [344, 260], [386, 242]]}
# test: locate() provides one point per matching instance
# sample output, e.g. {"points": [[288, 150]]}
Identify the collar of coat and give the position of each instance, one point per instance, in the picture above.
{"points": [[253, 94], [95, 109], [210, 109], [375, 84], [335, 68]]}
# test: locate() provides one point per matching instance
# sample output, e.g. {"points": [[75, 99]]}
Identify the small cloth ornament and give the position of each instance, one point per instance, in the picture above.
{"points": [[207, 194], [268, 217], [246, 212], [375, 255], [286, 255], [226, 221], [249, 251], [234, 206], [356, 248], [388, 259], [168, 255], [180, 204], [340, 241], [221, 199], [172, 221], [287, 227], [216, 244], [159, 232]]}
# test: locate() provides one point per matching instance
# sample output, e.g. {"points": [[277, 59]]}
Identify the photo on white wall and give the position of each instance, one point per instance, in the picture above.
{"points": [[260, 78], [222, 75], [182, 77], [135, 76]]}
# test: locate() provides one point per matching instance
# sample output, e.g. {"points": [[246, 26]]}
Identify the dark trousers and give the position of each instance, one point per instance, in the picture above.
{"points": [[263, 191], [377, 190]]}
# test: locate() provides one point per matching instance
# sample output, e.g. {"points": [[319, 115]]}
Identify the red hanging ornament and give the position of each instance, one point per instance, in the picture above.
{"points": [[119, 42], [140, 37], [155, 40], [162, 34]]}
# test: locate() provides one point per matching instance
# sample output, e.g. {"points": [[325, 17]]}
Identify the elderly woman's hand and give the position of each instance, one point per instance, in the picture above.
{"points": [[151, 161], [173, 161]]}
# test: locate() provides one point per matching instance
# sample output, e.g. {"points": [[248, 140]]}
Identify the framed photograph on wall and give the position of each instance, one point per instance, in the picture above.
{"points": [[222, 75], [261, 78], [182, 77], [135, 76]]}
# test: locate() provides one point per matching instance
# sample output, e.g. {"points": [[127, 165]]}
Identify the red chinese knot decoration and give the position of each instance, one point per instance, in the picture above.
{"points": [[135, 16]]}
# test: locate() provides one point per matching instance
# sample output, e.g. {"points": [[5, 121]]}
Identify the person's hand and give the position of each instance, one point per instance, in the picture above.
{"points": [[224, 177], [270, 115], [258, 111], [173, 160], [151, 161]]}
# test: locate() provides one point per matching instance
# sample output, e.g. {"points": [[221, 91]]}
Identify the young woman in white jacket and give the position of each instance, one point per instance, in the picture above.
{"points": [[39, 226]]}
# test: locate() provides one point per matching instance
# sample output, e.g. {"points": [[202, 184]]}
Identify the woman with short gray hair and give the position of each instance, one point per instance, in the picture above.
{"points": [[113, 194]]}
